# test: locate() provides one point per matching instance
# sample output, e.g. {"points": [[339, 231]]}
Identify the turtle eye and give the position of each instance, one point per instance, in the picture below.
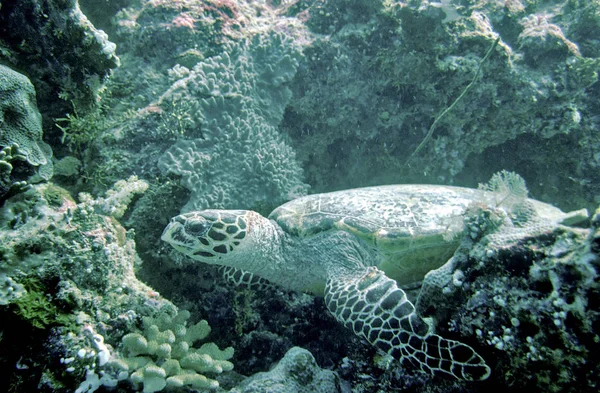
{"points": [[196, 228]]}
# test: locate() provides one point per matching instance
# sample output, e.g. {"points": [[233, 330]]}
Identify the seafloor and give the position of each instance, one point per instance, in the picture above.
{"points": [[117, 115]]}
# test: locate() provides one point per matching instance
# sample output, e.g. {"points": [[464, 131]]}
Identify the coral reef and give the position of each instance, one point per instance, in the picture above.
{"points": [[76, 74], [72, 267], [528, 292], [236, 97], [20, 128], [201, 79], [370, 88], [240, 158], [297, 372], [67, 277]]}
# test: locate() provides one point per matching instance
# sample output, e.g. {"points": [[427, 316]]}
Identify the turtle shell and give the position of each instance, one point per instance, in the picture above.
{"points": [[410, 225]]}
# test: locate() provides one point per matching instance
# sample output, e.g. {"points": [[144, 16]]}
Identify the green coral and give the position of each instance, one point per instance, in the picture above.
{"points": [[163, 355], [79, 130], [56, 196], [35, 307]]}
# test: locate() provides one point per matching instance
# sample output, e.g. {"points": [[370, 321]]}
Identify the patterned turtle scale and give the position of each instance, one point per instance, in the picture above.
{"points": [[356, 248], [410, 225]]}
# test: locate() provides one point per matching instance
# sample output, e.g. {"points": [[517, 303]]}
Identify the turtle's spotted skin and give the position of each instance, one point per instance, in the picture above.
{"points": [[373, 307], [354, 247], [217, 233]]}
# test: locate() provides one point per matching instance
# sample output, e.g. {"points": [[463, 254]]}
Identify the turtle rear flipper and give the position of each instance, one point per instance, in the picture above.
{"points": [[372, 305]]}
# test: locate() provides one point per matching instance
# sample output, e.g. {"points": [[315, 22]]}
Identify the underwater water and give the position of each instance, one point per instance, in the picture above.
{"points": [[299, 196]]}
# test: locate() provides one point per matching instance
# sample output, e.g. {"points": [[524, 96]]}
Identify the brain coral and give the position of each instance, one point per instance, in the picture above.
{"points": [[20, 120], [238, 99]]}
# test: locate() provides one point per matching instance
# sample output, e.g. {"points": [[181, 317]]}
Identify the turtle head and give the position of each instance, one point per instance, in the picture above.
{"points": [[213, 236]]}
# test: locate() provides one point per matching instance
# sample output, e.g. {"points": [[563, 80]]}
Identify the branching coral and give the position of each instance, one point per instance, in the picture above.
{"points": [[117, 198], [163, 355]]}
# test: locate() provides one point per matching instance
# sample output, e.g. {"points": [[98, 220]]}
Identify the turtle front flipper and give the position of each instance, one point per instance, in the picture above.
{"points": [[244, 279], [372, 305]]}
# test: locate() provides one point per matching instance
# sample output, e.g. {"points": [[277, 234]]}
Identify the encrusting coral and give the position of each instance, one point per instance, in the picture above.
{"points": [[64, 75], [67, 275], [527, 289], [239, 99]]}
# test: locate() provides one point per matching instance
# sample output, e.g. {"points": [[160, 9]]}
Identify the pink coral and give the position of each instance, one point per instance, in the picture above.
{"points": [[538, 25], [184, 20]]}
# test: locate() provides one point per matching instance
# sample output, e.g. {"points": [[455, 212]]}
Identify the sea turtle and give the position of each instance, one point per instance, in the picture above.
{"points": [[355, 247]]}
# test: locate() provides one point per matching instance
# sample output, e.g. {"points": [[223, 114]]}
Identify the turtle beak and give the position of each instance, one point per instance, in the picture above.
{"points": [[174, 232]]}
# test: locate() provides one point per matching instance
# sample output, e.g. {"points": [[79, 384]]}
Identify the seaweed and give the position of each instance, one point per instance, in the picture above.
{"points": [[36, 308]]}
